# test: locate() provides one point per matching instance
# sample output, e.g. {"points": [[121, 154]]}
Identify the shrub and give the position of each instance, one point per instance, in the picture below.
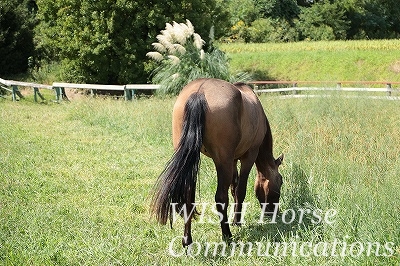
{"points": [[323, 21], [272, 30], [181, 57]]}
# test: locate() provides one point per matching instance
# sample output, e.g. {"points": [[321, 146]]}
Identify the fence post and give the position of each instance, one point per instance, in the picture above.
{"points": [[255, 88], [294, 88], [129, 94], [58, 93], [36, 94], [389, 89], [15, 93]]}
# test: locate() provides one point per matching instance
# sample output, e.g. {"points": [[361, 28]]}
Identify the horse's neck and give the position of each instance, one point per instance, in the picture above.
{"points": [[265, 158]]}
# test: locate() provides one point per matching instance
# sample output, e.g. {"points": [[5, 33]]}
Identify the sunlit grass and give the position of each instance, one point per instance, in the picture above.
{"points": [[76, 178], [318, 61], [366, 45]]}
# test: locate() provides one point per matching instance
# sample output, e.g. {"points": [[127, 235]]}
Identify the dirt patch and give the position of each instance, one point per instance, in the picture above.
{"points": [[74, 94], [360, 63], [395, 67]]}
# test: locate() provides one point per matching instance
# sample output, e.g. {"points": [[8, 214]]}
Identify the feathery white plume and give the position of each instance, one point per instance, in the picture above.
{"points": [[198, 41], [174, 59], [190, 27], [155, 56], [179, 48], [165, 40], [179, 33], [159, 47], [202, 54]]}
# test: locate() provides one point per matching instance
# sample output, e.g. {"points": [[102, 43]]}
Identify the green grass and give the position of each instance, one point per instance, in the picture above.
{"points": [[318, 61], [76, 179]]}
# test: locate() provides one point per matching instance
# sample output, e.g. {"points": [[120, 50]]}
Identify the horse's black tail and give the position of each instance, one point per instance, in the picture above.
{"points": [[177, 183]]}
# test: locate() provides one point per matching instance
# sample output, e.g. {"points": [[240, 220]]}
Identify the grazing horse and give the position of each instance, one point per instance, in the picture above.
{"points": [[227, 123]]}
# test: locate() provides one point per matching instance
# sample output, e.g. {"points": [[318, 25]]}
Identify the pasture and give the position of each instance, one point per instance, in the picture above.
{"points": [[363, 60], [76, 181]]}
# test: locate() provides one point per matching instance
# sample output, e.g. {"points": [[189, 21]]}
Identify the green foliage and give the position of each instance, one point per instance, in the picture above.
{"points": [[270, 30], [242, 10], [314, 20], [182, 59], [94, 40], [106, 41], [263, 20], [16, 35], [283, 9], [323, 21], [375, 19]]}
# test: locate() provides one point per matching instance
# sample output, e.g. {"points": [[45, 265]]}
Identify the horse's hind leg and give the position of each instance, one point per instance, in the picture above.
{"points": [[225, 175], [235, 179]]}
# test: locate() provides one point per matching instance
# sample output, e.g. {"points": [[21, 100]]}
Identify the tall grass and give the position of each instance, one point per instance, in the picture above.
{"points": [[76, 178]]}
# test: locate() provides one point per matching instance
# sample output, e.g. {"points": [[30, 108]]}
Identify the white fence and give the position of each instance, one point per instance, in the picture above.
{"points": [[290, 89], [59, 88]]}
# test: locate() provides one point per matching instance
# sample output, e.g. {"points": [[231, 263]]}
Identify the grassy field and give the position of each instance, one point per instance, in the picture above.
{"points": [[318, 61], [76, 180]]}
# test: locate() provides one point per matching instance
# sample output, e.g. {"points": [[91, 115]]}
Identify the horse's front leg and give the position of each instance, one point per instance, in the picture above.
{"points": [[240, 193]]}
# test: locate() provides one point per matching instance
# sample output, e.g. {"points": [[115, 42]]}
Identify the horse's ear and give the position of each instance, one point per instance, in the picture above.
{"points": [[279, 160]]}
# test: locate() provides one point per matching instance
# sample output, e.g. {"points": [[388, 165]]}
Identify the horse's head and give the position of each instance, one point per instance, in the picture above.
{"points": [[268, 184]]}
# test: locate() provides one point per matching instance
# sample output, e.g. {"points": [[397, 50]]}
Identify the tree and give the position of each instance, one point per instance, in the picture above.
{"points": [[323, 21], [16, 35], [378, 19], [106, 41], [242, 10], [263, 20], [278, 9]]}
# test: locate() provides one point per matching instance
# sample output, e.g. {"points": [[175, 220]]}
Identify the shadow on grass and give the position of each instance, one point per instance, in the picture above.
{"points": [[296, 220], [259, 75]]}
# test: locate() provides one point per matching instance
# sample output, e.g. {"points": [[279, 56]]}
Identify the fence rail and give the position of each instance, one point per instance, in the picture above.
{"points": [[293, 87], [59, 88], [129, 89]]}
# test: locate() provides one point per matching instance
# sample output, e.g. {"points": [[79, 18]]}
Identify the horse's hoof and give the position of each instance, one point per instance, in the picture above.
{"points": [[227, 238], [236, 223], [186, 241]]}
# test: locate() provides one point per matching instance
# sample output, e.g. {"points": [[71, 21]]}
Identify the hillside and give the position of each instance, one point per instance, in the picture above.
{"points": [[318, 61]]}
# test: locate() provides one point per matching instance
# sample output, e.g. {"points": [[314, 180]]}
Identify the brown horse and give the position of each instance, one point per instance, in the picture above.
{"points": [[227, 123]]}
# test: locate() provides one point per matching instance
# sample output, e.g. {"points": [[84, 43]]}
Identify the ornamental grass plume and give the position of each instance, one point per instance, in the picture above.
{"points": [[181, 58]]}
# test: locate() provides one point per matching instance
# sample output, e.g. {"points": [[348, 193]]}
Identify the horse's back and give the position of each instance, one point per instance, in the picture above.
{"points": [[219, 93], [232, 120]]}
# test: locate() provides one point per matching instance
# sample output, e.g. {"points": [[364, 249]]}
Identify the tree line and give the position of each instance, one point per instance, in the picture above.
{"points": [[106, 41], [291, 20]]}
